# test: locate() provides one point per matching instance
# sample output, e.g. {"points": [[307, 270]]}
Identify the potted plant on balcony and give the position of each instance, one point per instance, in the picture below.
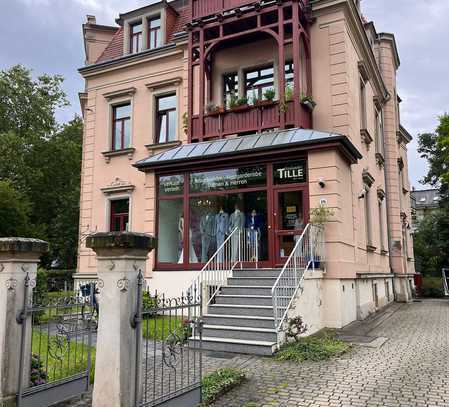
{"points": [[308, 102], [318, 218], [238, 104], [288, 95], [268, 98], [212, 109]]}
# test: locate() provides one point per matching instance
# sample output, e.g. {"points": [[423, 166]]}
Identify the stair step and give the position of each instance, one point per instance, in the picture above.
{"points": [[246, 310], [256, 272], [239, 320], [252, 281], [239, 332], [245, 290], [264, 348], [244, 299]]}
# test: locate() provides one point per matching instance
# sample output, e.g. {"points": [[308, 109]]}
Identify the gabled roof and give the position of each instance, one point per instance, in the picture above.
{"points": [[237, 146]]}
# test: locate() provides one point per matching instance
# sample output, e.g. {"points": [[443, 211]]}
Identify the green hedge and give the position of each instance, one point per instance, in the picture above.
{"points": [[432, 287]]}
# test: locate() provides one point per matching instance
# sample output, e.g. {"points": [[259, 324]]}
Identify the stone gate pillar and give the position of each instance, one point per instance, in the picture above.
{"points": [[120, 257], [19, 258]]}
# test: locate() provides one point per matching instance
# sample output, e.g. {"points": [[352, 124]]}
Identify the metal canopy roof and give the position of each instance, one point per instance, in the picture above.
{"points": [[245, 144]]}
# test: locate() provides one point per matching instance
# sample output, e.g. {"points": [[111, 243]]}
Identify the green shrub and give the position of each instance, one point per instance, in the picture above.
{"points": [[220, 382], [148, 302], [432, 287], [312, 348]]}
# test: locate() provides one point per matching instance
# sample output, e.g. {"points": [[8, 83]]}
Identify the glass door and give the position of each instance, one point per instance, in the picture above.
{"points": [[289, 221]]}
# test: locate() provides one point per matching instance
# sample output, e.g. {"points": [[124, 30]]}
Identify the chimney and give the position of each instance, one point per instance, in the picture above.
{"points": [[91, 19]]}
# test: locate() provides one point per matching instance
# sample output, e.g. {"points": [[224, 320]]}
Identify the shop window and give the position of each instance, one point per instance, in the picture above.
{"points": [[214, 217], [119, 215], [135, 38], [230, 86], [171, 231], [166, 118], [121, 126], [257, 81], [154, 33]]}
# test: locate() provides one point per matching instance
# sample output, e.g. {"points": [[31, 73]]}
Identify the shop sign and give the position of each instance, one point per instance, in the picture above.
{"points": [[228, 179], [290, 173], [171, 185]]}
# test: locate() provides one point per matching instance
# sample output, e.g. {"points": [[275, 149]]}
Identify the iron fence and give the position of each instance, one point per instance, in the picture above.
{"points": [[169, 342], [57, 345]]}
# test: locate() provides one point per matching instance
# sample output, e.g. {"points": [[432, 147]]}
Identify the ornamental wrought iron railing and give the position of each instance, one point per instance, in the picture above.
{"points": [[445, 273], [308, 253], [240, 247]]}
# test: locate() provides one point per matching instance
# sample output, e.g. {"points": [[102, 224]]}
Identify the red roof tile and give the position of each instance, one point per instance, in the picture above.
{"points": [[114, 48]]}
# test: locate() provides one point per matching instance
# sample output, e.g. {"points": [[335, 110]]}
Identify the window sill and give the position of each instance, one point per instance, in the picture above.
{"points": [[384, 252], [370, 248], [161, 146], [114, 153]]}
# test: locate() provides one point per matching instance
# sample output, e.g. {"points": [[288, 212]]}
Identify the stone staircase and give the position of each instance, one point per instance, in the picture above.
{"points": [[241, 320]]}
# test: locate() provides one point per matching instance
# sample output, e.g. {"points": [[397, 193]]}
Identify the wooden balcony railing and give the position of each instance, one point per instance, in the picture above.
{"points": [[203, 8], [248, 119]]}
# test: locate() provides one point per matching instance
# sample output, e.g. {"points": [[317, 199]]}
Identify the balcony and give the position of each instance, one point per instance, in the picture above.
{"points": [[249, 119]]}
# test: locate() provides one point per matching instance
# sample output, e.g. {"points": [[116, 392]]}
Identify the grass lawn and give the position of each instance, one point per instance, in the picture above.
{"points": [[73, 356], [316, 347], [160, 327]]}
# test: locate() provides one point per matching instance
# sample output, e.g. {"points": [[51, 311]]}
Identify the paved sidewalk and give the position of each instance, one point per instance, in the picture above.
{"points": [[410, 369], [408, 365]]}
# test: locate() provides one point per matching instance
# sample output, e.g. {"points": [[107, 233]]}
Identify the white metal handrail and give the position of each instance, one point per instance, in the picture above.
{"points": [[241, 246], [307, 253]]}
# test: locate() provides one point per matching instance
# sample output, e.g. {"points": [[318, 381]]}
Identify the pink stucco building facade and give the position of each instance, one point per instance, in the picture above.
{"points": [[171, 81]]}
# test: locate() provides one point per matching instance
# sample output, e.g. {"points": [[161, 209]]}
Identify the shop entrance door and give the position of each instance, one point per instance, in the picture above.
{"points": [[290, 218]]}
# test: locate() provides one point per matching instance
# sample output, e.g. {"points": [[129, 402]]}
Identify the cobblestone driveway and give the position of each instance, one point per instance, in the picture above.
{"points": [[410, 369]]}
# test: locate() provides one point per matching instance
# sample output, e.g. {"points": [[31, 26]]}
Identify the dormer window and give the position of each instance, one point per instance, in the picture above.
{"points": [[154, 32], [135, 38]]}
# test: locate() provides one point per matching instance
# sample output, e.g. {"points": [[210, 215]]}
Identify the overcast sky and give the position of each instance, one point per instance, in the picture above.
{"points": [[45, 35]]}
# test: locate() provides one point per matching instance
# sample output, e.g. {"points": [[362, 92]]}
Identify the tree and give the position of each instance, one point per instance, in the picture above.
{"points": [[14, 210], [431, 242], [41, 160]]}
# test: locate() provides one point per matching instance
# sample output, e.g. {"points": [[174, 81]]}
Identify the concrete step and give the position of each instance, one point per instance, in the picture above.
{"points": [[239, 320], [245, 290], [252, 281], [263, 348], [245, 310], [256, 272], [239, 332], [244, 299]]}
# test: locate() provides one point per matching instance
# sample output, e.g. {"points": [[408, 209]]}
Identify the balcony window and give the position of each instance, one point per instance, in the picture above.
{"points": [[289, 74], [166, 118], [257, 81], [230, 86], [135, 38], [154, 33], [121, 126], [119, 215]]}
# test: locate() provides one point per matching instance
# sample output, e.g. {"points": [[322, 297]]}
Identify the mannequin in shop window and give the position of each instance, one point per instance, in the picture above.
{"points": [[236, 220], [207, 230], [192, 254], [221, 230], [253, 227]]}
